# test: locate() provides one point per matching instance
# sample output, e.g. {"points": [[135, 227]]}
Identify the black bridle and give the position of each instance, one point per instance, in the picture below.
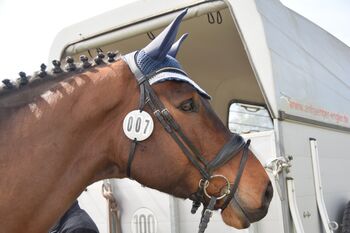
{"points": [[206, 168]]}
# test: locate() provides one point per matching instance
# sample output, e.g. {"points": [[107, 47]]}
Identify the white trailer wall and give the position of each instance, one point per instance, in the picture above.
{"points": [[303, 70], [334, 159]]}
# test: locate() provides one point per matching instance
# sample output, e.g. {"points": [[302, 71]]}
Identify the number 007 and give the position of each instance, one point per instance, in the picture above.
{"points": [[136, 125]]}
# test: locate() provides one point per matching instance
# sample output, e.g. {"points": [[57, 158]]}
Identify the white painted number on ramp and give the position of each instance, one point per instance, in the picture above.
{"points": [[144, 221]]}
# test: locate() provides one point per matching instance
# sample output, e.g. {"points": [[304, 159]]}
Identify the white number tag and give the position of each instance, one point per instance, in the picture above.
{"points": [[138, 125]]}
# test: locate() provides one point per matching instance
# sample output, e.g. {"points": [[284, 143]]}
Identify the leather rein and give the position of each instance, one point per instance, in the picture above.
{"points": [[235, 144]]}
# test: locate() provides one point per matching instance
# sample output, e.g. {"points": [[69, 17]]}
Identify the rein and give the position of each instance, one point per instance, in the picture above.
{"points": [[206, 168]]}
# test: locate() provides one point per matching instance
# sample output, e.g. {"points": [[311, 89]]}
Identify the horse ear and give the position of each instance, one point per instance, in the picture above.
{"points": [[159, 47], [175, 48]]}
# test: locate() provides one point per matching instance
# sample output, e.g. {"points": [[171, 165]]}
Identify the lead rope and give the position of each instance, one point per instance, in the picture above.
{"points": [[206, 215]]}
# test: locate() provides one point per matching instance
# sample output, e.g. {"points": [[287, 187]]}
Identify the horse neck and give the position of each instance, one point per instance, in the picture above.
{"points": [[52, 148]]}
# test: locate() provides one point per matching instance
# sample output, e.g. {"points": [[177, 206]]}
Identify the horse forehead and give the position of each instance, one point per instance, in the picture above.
{"points": [[177, 88]]}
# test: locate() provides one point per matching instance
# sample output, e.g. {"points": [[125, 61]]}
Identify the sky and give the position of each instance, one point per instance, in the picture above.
{"points": [[331, 15], [27, 28]]}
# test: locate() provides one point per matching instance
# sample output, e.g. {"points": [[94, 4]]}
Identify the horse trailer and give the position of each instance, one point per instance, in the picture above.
{"points": [[274, 77]]}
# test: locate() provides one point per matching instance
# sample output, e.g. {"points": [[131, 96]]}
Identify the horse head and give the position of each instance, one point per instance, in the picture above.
{"points": [[141, 117], [184, 149]]}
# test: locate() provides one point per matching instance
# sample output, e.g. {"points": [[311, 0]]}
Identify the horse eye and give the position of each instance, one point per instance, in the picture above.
{"points": [[188, 106]]}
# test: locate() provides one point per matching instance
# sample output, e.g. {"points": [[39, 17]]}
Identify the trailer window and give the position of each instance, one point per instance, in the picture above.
{"points": [[247, 118]]}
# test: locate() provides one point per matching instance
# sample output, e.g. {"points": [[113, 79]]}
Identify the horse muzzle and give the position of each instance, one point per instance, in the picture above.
{"points": [[249, 215]]}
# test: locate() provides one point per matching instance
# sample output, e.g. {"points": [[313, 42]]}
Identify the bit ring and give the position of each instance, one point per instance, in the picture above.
{"points": [[205, 184]]}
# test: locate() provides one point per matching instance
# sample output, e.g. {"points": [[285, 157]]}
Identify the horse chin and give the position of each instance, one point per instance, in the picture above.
{"points": [[234, 218]]}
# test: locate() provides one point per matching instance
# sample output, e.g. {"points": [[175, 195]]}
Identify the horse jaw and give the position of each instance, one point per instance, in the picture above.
{"points": [[234, 219]]}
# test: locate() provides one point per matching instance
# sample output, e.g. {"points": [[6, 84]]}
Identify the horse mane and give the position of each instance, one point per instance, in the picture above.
{"points": [[14, 94]]}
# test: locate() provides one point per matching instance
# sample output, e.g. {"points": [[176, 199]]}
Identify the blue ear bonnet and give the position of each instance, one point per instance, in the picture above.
{"points": [[159, 54], [148, 65]]}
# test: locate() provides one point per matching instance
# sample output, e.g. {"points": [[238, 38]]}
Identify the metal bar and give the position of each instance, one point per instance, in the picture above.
{"points": [[293, 207], [280, 150], [245, 124], [318, 187], [286, 116], [251, 113], [174, 215]]}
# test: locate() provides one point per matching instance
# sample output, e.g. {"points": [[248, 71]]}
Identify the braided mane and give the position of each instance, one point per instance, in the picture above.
{"points": [[25, 88]]}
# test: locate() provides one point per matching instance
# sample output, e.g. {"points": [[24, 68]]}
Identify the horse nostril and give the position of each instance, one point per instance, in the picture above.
{"points": [[268, 193]]}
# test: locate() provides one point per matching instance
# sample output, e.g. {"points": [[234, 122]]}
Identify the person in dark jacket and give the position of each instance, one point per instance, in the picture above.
{"points": [[75, 220]]}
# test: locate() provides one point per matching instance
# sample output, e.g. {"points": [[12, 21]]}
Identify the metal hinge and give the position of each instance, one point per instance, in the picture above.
{"points": [[277, 166]]}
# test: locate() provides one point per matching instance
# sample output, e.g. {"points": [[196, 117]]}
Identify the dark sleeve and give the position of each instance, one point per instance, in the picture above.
{"points": [[76, 220], [82, 230]]}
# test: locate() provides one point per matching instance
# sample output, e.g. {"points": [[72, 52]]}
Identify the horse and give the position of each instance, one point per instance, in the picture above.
{"points": [[138, 116]]}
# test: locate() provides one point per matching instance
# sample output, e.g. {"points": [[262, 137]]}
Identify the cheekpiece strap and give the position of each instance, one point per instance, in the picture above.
{"points": [[234, 187]]}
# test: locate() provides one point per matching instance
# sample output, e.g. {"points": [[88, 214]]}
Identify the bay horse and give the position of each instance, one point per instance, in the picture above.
{"points": [[66, 128]]}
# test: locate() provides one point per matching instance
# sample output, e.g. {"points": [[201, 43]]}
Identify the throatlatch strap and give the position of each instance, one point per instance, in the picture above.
{"points": [[143, 101], [131, 157], [142, 97]]}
